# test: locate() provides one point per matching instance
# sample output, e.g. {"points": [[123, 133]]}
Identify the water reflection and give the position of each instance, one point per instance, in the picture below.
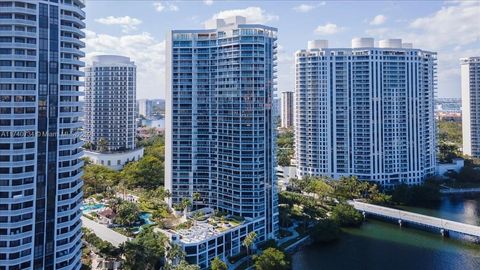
{"points": [[380, 245]]}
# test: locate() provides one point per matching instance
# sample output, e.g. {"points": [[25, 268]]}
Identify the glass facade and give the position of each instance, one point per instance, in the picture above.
{"points": [[220, 86], [40, 166]]}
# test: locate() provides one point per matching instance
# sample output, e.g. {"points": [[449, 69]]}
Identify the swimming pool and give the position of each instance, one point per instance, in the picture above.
{"points": [[91, 207], [146, 218]]}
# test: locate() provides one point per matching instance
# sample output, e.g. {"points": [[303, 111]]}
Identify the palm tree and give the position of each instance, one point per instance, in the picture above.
{"points": [[186, 203], [175, 254], [114, 203], [249, 240], [196, 197], [102, 145]]}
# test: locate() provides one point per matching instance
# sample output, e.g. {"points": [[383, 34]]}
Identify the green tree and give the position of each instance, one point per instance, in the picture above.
{"points": [[376, 197], [284, 216], [185, 204], [447, 152], [469, 174], [284, 156], [146, 173], [320, 188], [326, 230], [97, 178], [102, 145], [175, 254], [127, 213], [183, 265], [402, 194], [114, 204], [285, 147], [426, 194], [347, 188], [249, 240], [271, 259], [88, 146], [345, 215], [450, 132], [196, 199], [146, 251], [217, 264]]}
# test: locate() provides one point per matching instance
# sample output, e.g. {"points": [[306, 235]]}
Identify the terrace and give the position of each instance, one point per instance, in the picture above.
{"points": [[203, 224]]}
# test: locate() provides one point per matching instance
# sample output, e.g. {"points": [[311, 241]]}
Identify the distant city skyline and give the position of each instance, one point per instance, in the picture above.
{"points": [[138, 31]]}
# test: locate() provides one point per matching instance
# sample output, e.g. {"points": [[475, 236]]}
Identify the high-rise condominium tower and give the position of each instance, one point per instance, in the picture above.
{"points": [[110, 90], [366, 111], [287, 109], [40, 166], [145, 107], [110, 111], [470, 70], [219, 124]]}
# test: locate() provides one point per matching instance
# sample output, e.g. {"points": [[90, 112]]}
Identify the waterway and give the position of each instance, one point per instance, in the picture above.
{"points": [[156, 123], [386, 246]]}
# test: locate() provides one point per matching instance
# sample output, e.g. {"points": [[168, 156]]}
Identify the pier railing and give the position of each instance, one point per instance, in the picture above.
{"points": [[444, 225]]}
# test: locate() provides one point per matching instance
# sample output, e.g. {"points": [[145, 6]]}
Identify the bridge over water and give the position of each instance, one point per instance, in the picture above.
{"points": [[444, 226], [448, 190]]}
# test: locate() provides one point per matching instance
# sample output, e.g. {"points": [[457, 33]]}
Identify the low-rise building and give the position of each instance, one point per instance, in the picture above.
{"points": [[455, 166], [211, 238], [106, 216], [114, 160]]}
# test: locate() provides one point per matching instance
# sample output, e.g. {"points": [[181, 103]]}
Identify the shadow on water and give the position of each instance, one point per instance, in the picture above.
{"points": [[380, 245], [386, 246]]}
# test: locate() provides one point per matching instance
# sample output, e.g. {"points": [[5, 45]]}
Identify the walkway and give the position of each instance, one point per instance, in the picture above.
{"points": [[443, 225], [459, 190], [292, 230], [104, 232]]}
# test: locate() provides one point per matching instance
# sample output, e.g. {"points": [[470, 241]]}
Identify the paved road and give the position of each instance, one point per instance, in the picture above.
{"points": [[104, 232]]}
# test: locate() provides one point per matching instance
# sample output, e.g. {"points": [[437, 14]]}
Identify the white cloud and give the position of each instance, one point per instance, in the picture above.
{"points": [[173, 7], [306, 7], [452, 25], [164, 6], [208, 2], [253, 15], [127, 23], [147, 52], [378, 20], [455, 25], [328, 29]]}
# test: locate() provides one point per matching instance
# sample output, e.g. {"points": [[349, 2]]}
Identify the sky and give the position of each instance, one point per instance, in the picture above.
{"points": [[137, 29]]}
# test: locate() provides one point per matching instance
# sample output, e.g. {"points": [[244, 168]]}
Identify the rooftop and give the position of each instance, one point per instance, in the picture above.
{"points": [[205, 228]]}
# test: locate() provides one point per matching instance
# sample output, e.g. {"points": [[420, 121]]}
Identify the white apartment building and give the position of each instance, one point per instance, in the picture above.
{"points": [[145, 107], [220, 134], [470, 74], [110, 100], [366, 111], [287, 108], [110, 111], [40, 146]]}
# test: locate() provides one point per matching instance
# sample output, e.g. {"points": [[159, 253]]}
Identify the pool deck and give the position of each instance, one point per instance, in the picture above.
{"points": [[105, 233]]}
